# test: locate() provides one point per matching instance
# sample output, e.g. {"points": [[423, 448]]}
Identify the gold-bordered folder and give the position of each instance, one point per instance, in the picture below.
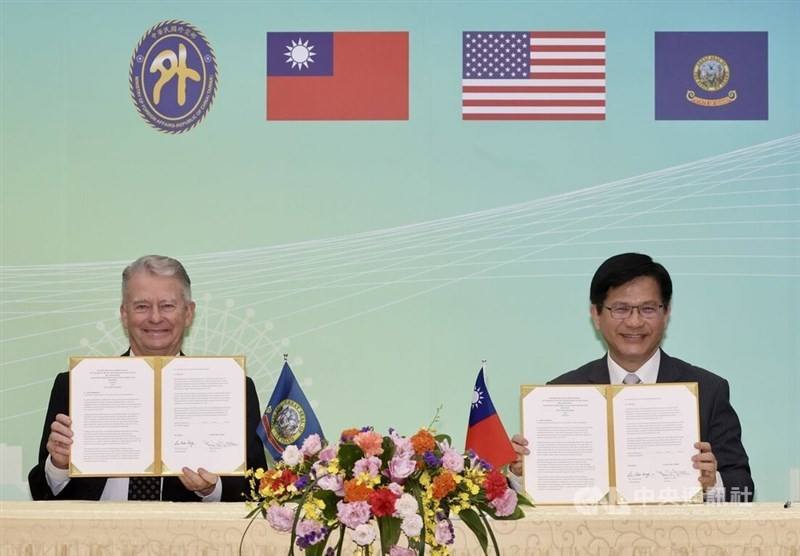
{"points": [[115, 373]]}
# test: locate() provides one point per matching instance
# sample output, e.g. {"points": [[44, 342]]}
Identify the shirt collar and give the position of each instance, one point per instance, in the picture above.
{"points": [[647, 373]]}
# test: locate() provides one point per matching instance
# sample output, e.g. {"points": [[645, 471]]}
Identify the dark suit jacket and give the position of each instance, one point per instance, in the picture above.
{"points": [[91, 488], [719, 424]]}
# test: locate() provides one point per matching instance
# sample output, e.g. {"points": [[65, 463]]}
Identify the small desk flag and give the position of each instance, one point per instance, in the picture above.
{"points": [[288, 418], [486, 435]]}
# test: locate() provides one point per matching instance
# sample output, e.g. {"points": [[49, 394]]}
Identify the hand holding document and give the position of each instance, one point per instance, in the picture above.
{"points": [[155, 415], [612, 444]]}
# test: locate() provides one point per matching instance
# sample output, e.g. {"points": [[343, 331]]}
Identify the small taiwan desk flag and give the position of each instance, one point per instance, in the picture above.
{"points": [[288, 418], [486, 435]]}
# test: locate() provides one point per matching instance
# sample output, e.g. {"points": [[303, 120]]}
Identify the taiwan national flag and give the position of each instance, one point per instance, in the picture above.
{"points": [[337, 76], [486, 435], [288, 418]]}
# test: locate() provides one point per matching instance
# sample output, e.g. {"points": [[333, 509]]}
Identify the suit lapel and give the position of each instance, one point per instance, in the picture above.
{"points": [[598, 371], [667, 370]]}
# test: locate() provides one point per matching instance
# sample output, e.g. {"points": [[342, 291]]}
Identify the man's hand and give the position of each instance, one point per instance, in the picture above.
{"points": [[706, 463], [59, 443], [201, 482], [520, 447]]}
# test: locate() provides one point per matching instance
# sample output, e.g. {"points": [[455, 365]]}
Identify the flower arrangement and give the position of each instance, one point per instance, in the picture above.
{"points": [[379, 488]]}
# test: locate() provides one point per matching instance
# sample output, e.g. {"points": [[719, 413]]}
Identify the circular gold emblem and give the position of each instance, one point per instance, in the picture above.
{"points": [[288, 422], [711, 73]]}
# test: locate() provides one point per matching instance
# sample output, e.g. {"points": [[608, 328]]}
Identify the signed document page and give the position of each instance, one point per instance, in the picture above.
{"points": [[566, 427], [655, 428], [112, 404], [203, 415]]}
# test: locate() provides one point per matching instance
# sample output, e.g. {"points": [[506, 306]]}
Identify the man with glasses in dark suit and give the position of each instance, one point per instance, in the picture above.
{"points": [[630, 298]]}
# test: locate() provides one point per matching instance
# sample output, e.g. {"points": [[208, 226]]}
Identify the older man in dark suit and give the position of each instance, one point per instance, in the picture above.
{"points": [[630, 298], [156, 311]]}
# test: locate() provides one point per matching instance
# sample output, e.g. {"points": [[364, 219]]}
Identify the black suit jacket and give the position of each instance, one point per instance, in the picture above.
{"points": [[91, 488], [719, 424]]}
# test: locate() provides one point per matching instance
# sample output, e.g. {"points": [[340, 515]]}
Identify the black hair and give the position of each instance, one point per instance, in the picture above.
{"points": [[621, 269]]}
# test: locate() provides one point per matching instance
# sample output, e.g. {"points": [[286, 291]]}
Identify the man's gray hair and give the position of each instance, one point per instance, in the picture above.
{"points": [[159, 266]]}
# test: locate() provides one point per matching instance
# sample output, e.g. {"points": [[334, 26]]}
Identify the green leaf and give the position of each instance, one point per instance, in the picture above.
{"points": [[349, 454], [389, 528], [330, 500], [443, 437], [473, 521], [388, 451]]}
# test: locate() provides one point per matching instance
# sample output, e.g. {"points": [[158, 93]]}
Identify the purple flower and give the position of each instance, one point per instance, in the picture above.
{"points": [[371, 466], [309, 532], [311, 445], [402, 446], [431, 461], [302, 482], [280, 518], [506, 504], [353, 514], [400, 468], [444, 531]]}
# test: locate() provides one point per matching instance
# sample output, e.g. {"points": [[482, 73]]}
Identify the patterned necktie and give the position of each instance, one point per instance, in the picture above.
{"points": [[631, 378], [144, 488]]}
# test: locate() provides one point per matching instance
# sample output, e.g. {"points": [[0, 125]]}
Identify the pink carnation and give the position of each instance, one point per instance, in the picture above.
{"points": [[452, 460], [506, 503], [280, 518], [370, 442], [402, 446], [395, 488], [311, 445], [371, 466], [401, 551], [328, 453], [353, 514], [400, 468], [332, 482]]}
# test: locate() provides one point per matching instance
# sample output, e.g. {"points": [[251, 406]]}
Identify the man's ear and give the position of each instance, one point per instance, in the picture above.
{"points": [[595, 316]]}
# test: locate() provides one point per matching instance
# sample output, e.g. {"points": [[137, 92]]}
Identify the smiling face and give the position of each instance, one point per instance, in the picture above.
{"points": [[633, 340], [155, 314]]}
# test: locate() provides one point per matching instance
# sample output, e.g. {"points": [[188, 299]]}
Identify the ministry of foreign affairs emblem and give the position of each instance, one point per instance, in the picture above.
{"points": [[711, 73], [288, 422], [173, 76]]}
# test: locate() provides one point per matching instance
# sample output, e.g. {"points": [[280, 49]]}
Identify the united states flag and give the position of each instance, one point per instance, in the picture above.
{"points": [[539, 75]]}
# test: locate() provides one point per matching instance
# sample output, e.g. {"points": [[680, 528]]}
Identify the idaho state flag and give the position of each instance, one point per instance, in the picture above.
{"points": [[337, 76], [486, 435], [288, 418], [711, 75]]}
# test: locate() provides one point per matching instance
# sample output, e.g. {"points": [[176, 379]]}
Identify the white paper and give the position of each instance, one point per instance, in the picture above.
{"points": [[203, 415], [111, 404], [568, 439], [655, 428]]}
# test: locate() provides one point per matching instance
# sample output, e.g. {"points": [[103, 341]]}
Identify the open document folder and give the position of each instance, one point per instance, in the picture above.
{"points": [[611, 444], [155, 415]]}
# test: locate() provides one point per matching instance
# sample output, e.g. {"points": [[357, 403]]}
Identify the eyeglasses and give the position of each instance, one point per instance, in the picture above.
{"points": [[646, 311]]}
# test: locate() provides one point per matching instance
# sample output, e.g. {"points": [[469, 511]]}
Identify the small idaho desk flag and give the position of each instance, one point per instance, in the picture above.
{"points": [[486, 435], [711, 76], [337, 76], [288, 418]]}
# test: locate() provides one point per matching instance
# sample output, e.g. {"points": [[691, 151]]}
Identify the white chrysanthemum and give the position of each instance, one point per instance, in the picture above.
{"points": [[292, 455]]}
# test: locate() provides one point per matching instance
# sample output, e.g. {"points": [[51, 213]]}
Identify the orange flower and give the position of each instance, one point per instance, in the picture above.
{"points": [[354, 492], [348, 434], [423, 442], [371, 443], [443, 485]]}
